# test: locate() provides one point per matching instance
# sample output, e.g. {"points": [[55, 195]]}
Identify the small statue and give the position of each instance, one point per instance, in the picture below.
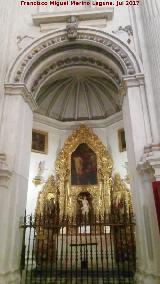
{"points": [[71, 28], [121, 198], [39, 178], [85, 205], [47, 197], [40, 168]]}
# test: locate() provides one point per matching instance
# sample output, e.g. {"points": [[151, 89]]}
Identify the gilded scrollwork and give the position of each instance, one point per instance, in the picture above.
{"points": [[107, 192], [99, 192], [49, 192], [121, 196]]}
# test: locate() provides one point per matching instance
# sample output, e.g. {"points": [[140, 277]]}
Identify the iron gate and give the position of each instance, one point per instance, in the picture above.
{"points": [[97, 249]]}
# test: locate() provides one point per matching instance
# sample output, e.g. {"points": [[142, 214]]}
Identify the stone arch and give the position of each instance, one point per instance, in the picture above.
{"points": [[33, 62], [125, 63]]}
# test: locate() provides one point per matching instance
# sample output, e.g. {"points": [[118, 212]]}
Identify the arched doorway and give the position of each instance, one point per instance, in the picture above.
{"points": [[26, 84]]}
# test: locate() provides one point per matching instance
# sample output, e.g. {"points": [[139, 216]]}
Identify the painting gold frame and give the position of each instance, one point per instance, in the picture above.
{"points": [[40, 146], [89, 180], [121, 140]]}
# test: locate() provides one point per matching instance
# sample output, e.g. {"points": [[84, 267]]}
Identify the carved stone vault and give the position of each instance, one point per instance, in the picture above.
{"points": [[55, 64], [107, 192]]}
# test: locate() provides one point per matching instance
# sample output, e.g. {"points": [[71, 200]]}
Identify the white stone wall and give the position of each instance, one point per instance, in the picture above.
{"points": [[56, 139], [17, 21], [151, 22], [18, 31]]}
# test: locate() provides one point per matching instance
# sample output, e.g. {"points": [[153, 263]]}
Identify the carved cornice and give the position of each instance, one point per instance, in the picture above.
{"points": [[83, 15], [68, 125], [133, 80], [21, 89], [150, 162]]}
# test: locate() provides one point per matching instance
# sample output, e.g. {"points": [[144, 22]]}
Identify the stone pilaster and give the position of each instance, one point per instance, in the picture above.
{"points": [[15, 147], [138, 134], [150, 10]]}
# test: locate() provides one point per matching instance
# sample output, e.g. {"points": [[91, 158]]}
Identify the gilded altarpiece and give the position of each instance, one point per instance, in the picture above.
{"points": [[97, 183], [83, 184], [83, 168]]}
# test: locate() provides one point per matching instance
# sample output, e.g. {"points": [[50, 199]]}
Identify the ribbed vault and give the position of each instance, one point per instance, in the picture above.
{"points": [[78, 94]]}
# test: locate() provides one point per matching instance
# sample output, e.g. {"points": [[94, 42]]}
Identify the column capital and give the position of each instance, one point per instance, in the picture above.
{"points": [[133, 80], [21, 89], [144, 167], [151, 160]]}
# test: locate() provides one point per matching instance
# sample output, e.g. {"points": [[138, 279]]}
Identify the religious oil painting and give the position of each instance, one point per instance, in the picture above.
{"points": [[122, 140], [39, 141], [83, 166]]}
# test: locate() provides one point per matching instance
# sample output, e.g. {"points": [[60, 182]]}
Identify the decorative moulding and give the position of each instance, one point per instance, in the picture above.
{"points": [[127, 29], [100, 23], [20, 70], [69, 125], [5, 173], [21, 89], [46, 18], [72, 28], [71, 61], [150, 161], [133, 80]]}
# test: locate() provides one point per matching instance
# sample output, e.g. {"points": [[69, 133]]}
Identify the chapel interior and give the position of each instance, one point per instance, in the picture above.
{"points": [[79, 177], [80, 143]]}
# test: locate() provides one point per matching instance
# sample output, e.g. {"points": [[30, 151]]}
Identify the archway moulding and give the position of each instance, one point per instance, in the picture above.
{"points": [[120, 53], [70, 63], [22, 90], [68, 125]]}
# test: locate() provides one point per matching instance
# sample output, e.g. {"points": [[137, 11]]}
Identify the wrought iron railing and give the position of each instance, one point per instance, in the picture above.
{"points": [[90, 249]]}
